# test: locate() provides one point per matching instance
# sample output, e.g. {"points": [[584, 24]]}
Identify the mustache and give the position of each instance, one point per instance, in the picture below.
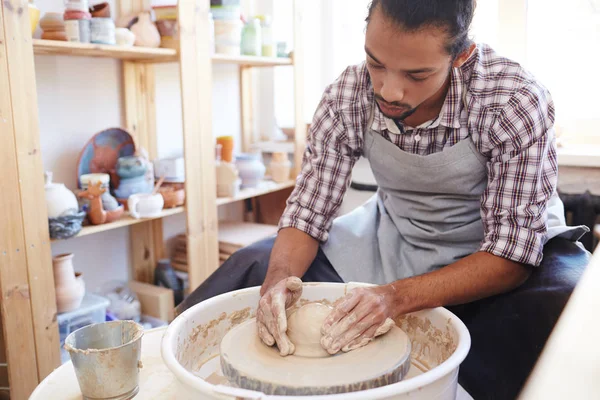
{"points": [[394, 104]]}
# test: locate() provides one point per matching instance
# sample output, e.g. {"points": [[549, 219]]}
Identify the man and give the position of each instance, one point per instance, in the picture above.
{"points": [[461, 144]]}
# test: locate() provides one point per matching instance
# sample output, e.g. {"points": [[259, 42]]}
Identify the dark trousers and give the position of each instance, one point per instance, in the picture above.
{"points": [[508, 331]]}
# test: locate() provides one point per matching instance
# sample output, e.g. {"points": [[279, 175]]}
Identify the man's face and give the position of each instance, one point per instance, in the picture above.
{"points": [[406, 68]]}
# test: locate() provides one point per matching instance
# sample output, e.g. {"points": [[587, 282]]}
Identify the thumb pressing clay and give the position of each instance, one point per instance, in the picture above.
{"points": [[304, 329]]}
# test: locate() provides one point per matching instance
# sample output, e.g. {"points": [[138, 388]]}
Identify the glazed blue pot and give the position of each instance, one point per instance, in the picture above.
{"points": [[131, 167]]}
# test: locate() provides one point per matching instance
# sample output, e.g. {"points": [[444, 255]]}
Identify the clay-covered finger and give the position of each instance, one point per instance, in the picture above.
{"points": [[362, 340], [358, 330], [264, 334], [385, 327], [341, 311], [294, 287]]}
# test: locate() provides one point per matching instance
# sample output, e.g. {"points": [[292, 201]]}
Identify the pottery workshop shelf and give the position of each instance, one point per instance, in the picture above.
{"points": [[264, 188], [55, 47], [125, 221], [251, 61]]}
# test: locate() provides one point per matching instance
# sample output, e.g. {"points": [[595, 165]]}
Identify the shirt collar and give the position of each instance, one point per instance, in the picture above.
{"points": [[449, 114]]}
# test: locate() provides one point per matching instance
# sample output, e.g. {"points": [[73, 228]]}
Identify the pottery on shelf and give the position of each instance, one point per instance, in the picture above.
{"points": [[59, 200], [280, 167], [251, 169], [34, 16], [52, 25], [102, 151], [146, 33], [124, 37], [69, 285], [100, 10], [97, 215], [173, 195], [145, 205], [66, 226], [131, 167]]}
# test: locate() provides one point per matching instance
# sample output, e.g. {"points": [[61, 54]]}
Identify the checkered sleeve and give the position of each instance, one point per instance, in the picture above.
{"points": [[325, 174], [522, 176]]}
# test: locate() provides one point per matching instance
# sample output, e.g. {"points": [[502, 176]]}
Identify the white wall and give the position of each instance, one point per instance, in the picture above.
{"points": [[78, 97]]}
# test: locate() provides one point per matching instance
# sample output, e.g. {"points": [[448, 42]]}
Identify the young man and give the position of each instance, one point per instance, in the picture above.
{"points": [[461, 143]]}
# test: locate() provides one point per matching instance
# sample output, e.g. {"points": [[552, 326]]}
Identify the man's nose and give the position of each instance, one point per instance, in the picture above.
{"points": [[393, 89]]}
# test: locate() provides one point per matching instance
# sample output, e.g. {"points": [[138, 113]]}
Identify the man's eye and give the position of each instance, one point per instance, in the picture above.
{"points": [[417, 78], [375, 66]]}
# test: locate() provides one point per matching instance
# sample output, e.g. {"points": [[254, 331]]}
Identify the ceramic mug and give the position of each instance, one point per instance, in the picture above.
{"points": [[145, 205]]}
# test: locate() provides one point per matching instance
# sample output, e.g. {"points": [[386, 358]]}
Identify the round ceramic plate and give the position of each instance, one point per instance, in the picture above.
{"points": [[249, 364], [102, 151]]}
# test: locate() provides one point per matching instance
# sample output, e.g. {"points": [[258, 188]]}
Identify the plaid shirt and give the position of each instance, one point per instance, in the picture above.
{"points": [[510, 119]]}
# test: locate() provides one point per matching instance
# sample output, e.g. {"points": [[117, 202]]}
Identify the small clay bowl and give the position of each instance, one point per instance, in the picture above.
{"points": [[172, 197], [101, 10]]}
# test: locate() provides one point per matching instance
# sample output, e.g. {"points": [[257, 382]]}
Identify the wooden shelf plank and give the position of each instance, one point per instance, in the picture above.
{"points": [[56, 47], [126, 220], [265, 187], [251, 61], [274, 147]]}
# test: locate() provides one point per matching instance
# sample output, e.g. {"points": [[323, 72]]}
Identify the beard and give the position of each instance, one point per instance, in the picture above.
{"points": [[409, 109]]}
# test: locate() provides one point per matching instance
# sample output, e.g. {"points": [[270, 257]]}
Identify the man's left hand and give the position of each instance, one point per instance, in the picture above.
{"points": [[361, 316]]}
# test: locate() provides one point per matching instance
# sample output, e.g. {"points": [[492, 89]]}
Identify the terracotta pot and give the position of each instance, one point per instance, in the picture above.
{"points": [[101, 10], [172, 197], [70, 287]]}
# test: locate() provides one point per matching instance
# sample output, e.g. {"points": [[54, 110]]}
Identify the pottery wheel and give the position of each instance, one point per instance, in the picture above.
{"points": [[250, 364]]}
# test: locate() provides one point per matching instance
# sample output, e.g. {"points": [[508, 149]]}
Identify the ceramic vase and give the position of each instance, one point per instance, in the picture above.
{"points": [[280, 167], [69, 286], [60, 201], [251, 169], [146, 33]]}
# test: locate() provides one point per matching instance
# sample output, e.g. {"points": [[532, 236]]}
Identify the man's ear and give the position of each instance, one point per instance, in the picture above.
{"points": [[464, 56]]}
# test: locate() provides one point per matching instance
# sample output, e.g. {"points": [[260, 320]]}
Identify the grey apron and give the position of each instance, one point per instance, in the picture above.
{"points": [[425, 215]]}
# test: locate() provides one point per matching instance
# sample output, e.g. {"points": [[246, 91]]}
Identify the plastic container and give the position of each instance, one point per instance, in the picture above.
{"points": [[252, 38], [228, 36], [268, 47], [92, 311], [440, 341]]}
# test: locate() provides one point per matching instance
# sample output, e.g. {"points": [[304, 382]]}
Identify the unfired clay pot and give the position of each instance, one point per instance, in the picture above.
{"points": [[69, 285], [146, 33]]}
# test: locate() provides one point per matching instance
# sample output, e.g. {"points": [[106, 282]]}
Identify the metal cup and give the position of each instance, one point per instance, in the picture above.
{"points": [[106, 358]]}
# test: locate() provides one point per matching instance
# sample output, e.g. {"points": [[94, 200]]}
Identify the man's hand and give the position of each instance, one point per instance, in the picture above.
{"points": [[362, 315], [271, 317]]}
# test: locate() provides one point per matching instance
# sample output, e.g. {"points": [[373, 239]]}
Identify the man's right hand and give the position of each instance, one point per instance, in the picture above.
{"points": [[271, 317]]}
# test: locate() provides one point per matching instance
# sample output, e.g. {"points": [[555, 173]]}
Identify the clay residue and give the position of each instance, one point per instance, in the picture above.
{"points": [[140, 365], [431, 346], [237, 317], [217, 379]]}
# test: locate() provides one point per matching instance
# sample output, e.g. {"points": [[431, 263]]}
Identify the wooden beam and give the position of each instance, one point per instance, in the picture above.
{"points": [[199, 143], [147, 245], [28, 304], [300, 132], [247, 112]]}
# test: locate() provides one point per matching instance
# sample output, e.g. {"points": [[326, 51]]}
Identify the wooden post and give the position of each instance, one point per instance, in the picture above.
{"points": [[300, 129], [247, 112], [199, 144], [28, 304], [147, 244]]}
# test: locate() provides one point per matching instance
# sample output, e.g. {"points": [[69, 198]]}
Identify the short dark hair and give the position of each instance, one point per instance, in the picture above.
{"points": [[454, 16]]}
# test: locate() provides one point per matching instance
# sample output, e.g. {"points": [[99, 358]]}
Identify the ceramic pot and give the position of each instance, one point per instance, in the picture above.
{"points": [[251, 169], [101, 10], [172, 197], [131, 167], [69, 285], [145, 205], [103, 31], [280, 167], [146, 33], [124, 37], [59, 200], [128, 187]]}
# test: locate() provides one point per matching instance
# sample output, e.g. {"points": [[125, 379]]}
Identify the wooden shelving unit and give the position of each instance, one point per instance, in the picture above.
{"points": [[28, 313]]}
